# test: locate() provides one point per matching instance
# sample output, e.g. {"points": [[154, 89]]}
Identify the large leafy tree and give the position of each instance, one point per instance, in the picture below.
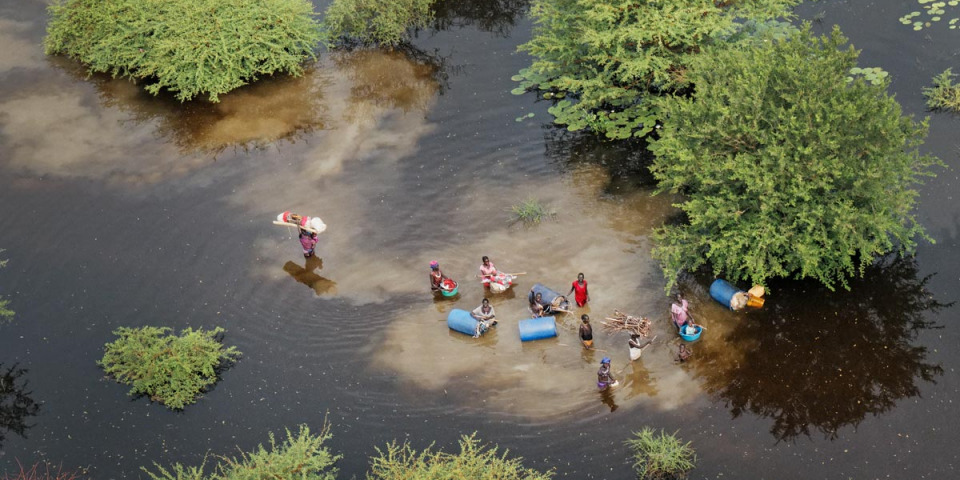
{"points": [[605, 58], [190, 47], [790, 167]]}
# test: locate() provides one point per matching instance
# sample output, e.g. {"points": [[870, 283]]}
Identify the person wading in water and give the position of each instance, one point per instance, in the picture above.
{"points": [[586, 332], [580, 287], [605, 376]]}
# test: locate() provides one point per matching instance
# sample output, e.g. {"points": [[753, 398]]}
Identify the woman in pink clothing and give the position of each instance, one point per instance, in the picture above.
{"points": [[580, 287], [308, 241], [487, 270], [679, 313]]}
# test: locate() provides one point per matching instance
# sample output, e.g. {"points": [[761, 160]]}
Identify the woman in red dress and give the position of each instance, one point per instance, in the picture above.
{"points": [[580, 287]]}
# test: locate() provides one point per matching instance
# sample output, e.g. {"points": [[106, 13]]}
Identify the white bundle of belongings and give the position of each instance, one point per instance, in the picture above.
{"points": [[501, 282], [310, 224]]}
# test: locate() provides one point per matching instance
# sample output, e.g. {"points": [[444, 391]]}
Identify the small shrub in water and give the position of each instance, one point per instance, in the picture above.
{"points": [[375, 22], [530, 211], [172, 370], [474, 462], [301, 457], [190, 47], [660, 456], [944, 95]]}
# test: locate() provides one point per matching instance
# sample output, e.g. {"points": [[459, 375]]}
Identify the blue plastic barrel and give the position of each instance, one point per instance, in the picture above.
{"points": [[537, 328], [462, 321], [723, 292]]}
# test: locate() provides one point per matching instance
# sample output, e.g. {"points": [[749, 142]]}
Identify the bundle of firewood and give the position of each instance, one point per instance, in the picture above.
{"points": [[621, 322]]}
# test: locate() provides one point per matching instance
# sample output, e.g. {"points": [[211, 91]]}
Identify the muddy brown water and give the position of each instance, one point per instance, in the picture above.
{"points": [[121, 209]]}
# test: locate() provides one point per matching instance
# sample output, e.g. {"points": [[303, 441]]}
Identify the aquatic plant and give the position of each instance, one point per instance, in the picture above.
{"points": [[189, 47], [790, 171], [935, 12], [48, 472], [944, 95], [602, 60], [474, 462], [660, 456], [172, 370], [302, 456], [530, 211], [5, 313], [374, 22], [874, 75]]}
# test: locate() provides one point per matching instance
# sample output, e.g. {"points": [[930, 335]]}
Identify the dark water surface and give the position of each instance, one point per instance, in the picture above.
{"points": [[121, 209]]}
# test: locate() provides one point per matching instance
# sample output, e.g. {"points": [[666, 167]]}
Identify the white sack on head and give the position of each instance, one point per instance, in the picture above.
{"points": [[317, 224]]}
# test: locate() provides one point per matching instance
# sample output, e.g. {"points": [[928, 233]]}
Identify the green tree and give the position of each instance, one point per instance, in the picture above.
{"points": [[790, 169], [604, 59], [190, 47], [172, 370], [474, 462], [300, 457], [375, 22]]}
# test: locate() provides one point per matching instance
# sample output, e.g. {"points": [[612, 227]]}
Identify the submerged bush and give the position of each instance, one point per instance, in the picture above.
{"points": [[660, 456], [944, 95], [530, 211], [172, 370], [789, 171], [299, 457], [375, 22], [474, 462], [191, 47]]}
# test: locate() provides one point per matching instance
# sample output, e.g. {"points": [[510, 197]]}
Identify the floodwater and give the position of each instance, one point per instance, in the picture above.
{"points": [[122, 209]]}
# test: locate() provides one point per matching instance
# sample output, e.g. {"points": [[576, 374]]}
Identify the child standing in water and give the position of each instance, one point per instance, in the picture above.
{"points": [[308, 241], [586, 332]]}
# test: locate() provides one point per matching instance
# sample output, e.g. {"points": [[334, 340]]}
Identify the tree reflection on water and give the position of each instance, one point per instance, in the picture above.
{"points": [[813, 359], [494, 16], [16, 406]]}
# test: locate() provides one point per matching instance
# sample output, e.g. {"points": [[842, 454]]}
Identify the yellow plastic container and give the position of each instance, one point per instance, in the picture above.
{"points": [[755, 302]]}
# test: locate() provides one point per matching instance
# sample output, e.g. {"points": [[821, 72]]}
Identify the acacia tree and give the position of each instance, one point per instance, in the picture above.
{"points": [[605, 58], [790, 168]]}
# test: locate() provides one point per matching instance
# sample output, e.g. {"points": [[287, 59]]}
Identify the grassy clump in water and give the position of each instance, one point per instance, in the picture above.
{"points": [[5, 313], [47, 472], [530, 211], [660, 456], [300, 456], [944, 95], [474, 462], [190, 47], [172, 370]]}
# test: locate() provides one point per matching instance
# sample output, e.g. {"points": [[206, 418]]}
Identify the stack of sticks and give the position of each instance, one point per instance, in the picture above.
{"points": [[621, 322]]}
